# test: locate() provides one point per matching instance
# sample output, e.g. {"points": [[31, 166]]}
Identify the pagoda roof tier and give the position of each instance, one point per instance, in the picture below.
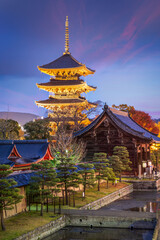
{"points": [[53, 103], [65, 66], [66, 86]]}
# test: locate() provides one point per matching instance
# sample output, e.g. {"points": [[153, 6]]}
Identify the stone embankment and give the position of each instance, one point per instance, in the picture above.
{"points": [[142, 185], [108, 199], [110, 219], [44, 231]]}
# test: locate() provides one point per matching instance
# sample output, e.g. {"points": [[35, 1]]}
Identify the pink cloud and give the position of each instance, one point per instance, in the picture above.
{"points": [[153, 16], [130, 29], [124, 48], [97, 37], [144, 15], [136, 52]]}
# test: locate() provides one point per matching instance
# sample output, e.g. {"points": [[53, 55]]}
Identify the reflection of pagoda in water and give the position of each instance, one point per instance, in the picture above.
{"points": [[65, 84]]}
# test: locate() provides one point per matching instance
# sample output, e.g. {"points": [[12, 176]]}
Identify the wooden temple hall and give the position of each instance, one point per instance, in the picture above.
{"points": [[116, 128]]}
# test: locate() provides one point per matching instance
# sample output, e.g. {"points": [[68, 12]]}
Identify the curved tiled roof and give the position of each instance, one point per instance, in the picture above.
{"points": [[61, 100], [29, 150], [132, 124], [6, 161], [32, 150], [124, 121], [22, 178], [54, 82], [65, 61], [5, 148]]}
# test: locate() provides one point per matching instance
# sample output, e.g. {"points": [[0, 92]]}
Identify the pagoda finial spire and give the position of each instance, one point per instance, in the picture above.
{"points": [[66, 36]]}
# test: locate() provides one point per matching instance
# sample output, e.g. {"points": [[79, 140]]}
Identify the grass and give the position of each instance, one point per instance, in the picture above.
{"points": [[23, 223], [28, 221], [92, 194]]}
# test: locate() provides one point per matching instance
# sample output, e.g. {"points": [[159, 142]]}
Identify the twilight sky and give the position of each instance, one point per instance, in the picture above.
{"points": [[120, 39]]}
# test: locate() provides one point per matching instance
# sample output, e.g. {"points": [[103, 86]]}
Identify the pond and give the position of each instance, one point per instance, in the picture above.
{"points": [[136, 201], [86, 233]]}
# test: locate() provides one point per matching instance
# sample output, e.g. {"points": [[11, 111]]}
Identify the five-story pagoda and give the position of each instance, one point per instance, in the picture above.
{"points": [[65, 86]]}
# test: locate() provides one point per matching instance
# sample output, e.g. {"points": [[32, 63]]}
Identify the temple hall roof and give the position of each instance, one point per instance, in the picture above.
{"points": [[126, 119], [123, 121]]}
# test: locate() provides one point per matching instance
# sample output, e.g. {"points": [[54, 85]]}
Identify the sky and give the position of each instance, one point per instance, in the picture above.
{"points": [[119, 39]]}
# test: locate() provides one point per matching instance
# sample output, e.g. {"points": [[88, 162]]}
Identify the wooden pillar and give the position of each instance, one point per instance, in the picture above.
{"points": [[140, 162], [141, 153], [146, 152], [149, 151], [135, 160]]}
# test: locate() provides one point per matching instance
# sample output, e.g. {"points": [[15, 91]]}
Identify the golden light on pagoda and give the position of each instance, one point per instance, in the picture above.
{"points": [[65, 86]]}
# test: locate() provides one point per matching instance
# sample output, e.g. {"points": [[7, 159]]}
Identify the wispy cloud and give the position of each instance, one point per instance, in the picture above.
{"points": [[125, 46]]}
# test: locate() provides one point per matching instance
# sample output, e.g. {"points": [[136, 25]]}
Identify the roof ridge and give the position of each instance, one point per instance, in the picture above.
{"points": [[90, 125], [77, 60], [125, 123], [141, 126], [53, 60], [113, 117]]}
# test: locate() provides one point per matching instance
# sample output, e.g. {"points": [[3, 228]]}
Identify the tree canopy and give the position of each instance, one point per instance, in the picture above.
{"points": [[9, 129], [117, 165], [102, 169], [67, 173], [43, 182], [86, 172], [39, 129], [123, 155], [8, 195]]}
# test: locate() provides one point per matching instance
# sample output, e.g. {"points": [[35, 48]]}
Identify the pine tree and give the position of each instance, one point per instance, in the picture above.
{"points": [[123, 155], [43, 182], [101, 164], [8, 194], [86, 172], [116, 165], [67, 174]]}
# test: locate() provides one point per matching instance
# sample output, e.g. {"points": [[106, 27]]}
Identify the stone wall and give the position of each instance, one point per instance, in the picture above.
{"points": [[109, 198], [45, 230], [113, 219], [141, 185]]}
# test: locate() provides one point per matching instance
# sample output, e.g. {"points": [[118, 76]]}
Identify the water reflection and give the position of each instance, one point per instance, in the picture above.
{"points": [[148, 207], [85, 233], [136, 201]]}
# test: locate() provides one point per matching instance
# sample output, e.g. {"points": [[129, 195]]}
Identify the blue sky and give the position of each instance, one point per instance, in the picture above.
{"points": [[120, 39]]}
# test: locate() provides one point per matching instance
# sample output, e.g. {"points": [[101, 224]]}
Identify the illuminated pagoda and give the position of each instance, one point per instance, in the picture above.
{"points": [[65, 86]]}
